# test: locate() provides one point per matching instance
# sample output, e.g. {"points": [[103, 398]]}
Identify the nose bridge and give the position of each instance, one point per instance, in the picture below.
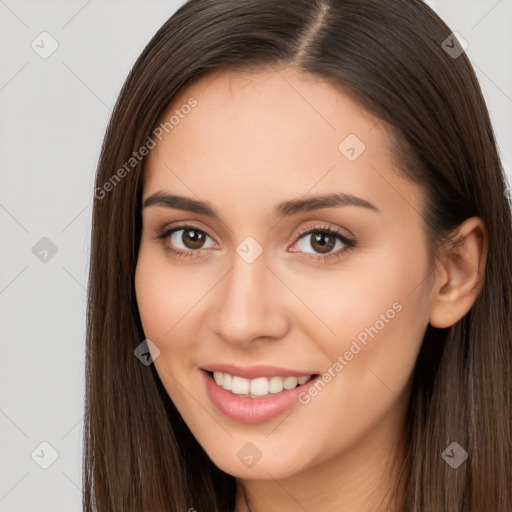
{"points": [[248, 306]]}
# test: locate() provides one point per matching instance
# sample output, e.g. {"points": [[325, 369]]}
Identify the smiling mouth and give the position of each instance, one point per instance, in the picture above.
{"points": [[260, 386]]}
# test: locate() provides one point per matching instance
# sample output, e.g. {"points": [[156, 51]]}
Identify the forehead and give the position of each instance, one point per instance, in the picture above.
{"points": [[255, 106], [269, 134]]}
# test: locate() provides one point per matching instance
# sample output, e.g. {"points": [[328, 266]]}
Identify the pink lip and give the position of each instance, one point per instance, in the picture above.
{"points": [[252, 372], [253, 410]]}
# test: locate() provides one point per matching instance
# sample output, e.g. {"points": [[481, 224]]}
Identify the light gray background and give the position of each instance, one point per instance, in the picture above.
{"points": [[53, 115]]}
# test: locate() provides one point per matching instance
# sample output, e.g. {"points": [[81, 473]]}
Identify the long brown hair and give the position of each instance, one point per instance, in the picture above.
{"points": [[391, 58]]}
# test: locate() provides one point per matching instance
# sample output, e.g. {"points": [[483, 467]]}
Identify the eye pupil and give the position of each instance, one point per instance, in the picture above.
{"points": [[324, 241], [194, 240]]}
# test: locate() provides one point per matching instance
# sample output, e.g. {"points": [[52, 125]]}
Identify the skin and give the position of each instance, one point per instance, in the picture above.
{"points": [[256, 139]]}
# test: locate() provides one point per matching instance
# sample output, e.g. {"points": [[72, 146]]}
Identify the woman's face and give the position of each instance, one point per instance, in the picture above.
{"points": [[239, 285]]}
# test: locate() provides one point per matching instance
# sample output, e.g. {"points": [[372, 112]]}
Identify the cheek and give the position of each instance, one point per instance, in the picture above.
{"points": [[380, 294], [165, 294], [374, 317], [171, 299]]}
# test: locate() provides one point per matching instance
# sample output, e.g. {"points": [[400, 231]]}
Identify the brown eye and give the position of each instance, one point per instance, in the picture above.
{"points": [[185, 240], [193, 238], [322, 242]]}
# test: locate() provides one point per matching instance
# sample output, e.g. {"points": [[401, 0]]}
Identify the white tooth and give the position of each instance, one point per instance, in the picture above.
{"points": [[227, 381], [240, 386], [290, 382], [276, 384], [259, 386]]}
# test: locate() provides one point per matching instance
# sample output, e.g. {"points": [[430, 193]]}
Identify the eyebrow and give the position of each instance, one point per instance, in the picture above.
{"points": [[285, 209]]}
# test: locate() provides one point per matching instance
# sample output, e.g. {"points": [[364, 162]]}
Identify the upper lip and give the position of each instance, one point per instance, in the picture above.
{"points": [[254, 371]]}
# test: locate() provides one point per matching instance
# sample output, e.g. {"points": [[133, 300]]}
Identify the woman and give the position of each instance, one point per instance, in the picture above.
{"points": [[300, 291]]}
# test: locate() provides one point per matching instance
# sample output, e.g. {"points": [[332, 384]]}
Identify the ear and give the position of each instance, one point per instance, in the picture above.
{"points": [[460, 274]]}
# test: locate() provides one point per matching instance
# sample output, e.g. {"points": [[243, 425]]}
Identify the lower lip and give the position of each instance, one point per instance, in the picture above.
{"points": [[253, 410]]}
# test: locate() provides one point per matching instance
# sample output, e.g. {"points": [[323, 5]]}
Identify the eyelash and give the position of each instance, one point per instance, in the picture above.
{"points": [[349, 244]]}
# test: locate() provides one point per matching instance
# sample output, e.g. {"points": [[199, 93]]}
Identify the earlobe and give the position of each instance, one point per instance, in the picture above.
{"points": [[460, 274]]}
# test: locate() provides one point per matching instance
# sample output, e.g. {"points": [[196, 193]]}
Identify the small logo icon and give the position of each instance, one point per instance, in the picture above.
{"points": [[147, 352], [351, 147], [455, 45], [454, 455], [44, 455], [249, 249], [44, 45], [44, 250], [508, 193], [249, 455]]}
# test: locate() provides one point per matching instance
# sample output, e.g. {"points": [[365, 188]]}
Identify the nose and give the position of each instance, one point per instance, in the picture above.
{"points": [[250, 305]]}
